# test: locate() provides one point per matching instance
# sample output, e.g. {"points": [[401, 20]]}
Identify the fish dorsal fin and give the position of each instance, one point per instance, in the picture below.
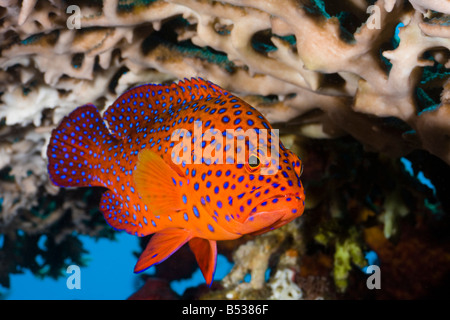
{"points": [[158, 184], [205, 252], [138, 107], [161, 246], [197, 89]]}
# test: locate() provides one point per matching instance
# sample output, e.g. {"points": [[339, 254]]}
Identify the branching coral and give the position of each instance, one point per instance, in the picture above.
{"points": [[252, 258], [270, 277], [311, 55]]}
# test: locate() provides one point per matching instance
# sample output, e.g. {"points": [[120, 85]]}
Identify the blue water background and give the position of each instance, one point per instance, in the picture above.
{"points": [[108, 275]]}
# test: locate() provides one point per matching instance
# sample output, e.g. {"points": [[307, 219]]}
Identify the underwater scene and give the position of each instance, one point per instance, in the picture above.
{"points": [[224, 150]]}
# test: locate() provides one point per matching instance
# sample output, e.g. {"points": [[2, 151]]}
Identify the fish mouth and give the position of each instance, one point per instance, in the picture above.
{"points": [[295, 201], [274, 212]]}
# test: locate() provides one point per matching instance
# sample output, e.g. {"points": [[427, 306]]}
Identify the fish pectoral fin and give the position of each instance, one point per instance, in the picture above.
{"points": [[205, 252], [157, 183], [161, 246]]}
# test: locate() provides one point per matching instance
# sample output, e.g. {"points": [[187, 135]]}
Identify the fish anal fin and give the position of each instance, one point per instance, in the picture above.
{"points": [[161, 246], [111, 208], [157, 183], [205, 252], [117, 217]]}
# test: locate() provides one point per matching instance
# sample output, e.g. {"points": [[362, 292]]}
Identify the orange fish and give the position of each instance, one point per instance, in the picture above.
{"points": [[187, 162]]}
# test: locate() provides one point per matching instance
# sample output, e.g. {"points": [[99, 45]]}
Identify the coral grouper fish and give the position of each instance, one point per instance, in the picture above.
{"points": [[191, 187]]}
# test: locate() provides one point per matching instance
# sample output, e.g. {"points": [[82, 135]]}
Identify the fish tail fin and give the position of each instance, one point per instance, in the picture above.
{"points": [[74, 151]]}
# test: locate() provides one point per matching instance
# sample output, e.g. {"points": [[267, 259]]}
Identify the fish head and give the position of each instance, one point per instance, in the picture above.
{"points": [[277, 195], [237, 169]]}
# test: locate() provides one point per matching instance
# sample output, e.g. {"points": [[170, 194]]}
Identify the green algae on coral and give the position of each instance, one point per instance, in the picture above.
{"points": [[347, 252]]}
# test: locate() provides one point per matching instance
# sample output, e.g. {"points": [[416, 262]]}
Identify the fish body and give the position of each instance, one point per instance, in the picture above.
{"points": [[187, 162]]}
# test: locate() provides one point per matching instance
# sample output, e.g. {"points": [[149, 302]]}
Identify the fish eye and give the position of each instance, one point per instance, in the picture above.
{"points": [[253, 163]]}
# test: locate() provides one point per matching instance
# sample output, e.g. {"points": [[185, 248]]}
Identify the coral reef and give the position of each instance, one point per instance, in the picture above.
{"points": [[253, 258], [353, 85], [282, 283], [417, 256], [341, 62], [348, 209]]}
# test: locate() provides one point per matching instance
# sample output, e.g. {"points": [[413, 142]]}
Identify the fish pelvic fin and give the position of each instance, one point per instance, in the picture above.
{"points": [[161, 246], [74, 150], [205, 252]]}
